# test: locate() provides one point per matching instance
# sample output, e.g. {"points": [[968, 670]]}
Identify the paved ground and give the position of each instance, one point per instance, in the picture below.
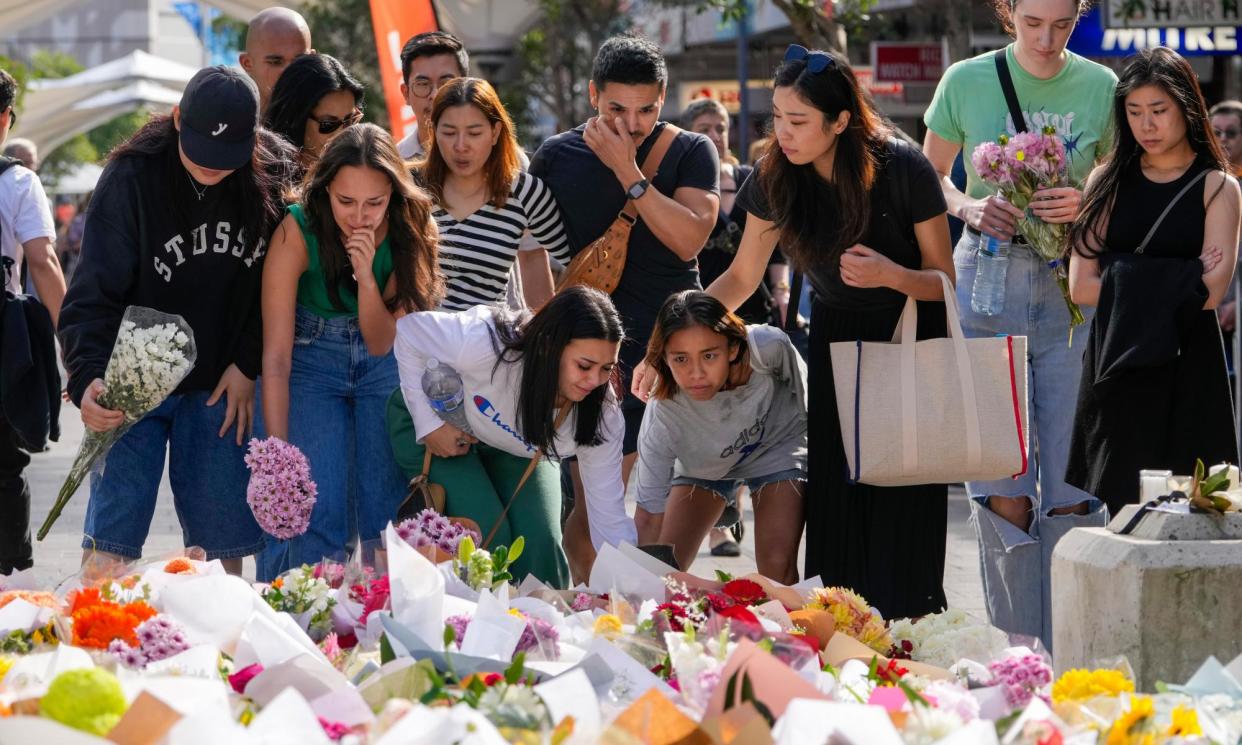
{"points": [[58, 555]]}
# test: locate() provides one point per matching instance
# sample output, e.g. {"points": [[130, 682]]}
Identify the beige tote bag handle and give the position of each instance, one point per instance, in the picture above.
{"points": [[905, 334]]}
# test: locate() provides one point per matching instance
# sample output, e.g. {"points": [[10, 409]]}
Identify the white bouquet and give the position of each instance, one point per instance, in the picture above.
{"points": [[941, 639], [154, 351]]}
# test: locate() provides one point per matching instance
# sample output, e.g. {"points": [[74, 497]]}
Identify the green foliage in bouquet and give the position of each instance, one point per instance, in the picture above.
{"points": [[482, 569], [1205, 490]]}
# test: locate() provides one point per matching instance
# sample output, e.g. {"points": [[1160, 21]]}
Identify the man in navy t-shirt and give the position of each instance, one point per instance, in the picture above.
{"points": [[594, 169]]}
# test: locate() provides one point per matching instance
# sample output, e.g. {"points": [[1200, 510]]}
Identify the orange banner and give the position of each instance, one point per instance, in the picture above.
{"points": [[394, 22]]}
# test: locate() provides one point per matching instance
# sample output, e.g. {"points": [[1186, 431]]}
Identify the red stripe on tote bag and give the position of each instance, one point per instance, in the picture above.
{"points": [[1017, 410]]}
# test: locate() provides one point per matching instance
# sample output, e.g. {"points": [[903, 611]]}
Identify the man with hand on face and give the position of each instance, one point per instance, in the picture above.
{"points": [[274, 37], [594, 171]]}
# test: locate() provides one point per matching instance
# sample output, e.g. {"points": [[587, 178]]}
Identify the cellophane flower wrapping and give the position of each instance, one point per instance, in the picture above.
{"points": [[153, 353], [1018, 167]]}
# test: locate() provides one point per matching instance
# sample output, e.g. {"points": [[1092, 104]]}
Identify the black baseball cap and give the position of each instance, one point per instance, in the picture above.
{"points": [[219, 116]]}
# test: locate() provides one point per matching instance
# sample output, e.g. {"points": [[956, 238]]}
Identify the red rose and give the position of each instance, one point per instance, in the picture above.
{"points": [[491, 679], [720, 602], [675, 614], [745, 591]]}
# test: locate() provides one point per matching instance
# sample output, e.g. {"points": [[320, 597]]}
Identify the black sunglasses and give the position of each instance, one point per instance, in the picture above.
{"points": [[816, 62], [328, 126]]}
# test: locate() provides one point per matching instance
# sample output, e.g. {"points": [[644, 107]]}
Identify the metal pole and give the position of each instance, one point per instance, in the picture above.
{"points": [[743, 78]]}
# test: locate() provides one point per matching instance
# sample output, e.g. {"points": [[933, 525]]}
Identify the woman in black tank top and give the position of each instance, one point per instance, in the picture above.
{"points": [[1154, 250]]}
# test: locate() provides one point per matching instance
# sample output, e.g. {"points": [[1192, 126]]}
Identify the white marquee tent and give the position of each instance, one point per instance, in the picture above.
{"points": [[56, 110]]}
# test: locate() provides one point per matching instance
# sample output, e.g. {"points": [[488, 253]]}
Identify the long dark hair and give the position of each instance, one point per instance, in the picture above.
{"points": [[502, 164], [256, 186], [411, 236], [810, 231], [685, 310], [1167, 69], [307, 79], [538, 342]]}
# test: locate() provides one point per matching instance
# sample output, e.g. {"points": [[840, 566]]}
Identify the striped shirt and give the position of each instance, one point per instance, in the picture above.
{"points": [[476, 253]]}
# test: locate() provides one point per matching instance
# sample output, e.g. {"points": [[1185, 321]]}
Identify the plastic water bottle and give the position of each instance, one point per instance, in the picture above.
{"points": [[987, 296], [446, 394]]}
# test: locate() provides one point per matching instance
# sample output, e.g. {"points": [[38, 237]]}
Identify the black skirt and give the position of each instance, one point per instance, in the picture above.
{"points": [[887, 544], [1156, 418]]}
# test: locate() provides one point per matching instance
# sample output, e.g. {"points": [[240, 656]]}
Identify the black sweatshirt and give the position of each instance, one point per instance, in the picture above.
{"points": [[149, 240]]}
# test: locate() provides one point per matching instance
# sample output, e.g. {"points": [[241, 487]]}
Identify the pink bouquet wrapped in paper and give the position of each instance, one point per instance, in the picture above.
{"points": [[1018, 167]]}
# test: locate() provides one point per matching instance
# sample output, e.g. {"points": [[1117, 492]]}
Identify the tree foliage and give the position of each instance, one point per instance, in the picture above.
{"points": [[555, 56], [342, 29], [815, 23]]}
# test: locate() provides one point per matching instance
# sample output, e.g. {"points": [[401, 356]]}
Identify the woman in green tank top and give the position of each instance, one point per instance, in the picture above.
{"points": [[356, 252]]}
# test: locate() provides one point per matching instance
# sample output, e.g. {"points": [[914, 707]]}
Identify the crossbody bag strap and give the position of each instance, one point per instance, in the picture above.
{"points": [[1011, 94], [1168, 208], [530, 469], [651, 164]]}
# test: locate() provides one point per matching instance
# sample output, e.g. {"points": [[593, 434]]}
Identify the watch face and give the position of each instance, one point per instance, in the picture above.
{"points": [[637, 190]]}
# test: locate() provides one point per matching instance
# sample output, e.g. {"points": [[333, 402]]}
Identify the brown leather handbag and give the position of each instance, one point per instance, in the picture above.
{"points": [[600, 264], [422, 493]]}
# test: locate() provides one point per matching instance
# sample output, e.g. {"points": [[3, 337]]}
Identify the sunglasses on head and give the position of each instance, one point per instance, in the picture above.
{"points": [[328, 126], [816, 62]]}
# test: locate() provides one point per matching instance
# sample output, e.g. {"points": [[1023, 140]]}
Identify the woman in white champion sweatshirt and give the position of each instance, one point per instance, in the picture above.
{"points": [[519, 372]]}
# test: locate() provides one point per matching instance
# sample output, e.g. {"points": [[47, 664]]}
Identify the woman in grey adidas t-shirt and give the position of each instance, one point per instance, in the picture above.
{"points": [[730, 407]]}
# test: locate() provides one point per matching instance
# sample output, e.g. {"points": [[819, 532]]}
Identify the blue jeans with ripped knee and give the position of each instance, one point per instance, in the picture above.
{"points": [[1015, 562]]}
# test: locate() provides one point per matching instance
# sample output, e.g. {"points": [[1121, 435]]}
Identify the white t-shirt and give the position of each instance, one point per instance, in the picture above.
{"points": [[24, 215], [463, 341]]}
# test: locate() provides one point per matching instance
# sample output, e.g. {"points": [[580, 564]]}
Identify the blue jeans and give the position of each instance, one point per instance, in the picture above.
{"points": [[338, 394], [1016, 563], [207, 473]]}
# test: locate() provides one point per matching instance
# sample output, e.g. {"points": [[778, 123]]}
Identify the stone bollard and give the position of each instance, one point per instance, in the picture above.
{"points": [[1166, 596]]}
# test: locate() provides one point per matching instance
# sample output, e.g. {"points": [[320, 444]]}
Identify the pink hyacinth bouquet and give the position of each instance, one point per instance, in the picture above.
{"points": [[281, 493]]}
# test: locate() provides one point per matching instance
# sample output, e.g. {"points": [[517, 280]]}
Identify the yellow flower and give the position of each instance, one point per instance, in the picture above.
{"points": [[5, 664], [1128, 729], [516, 613], [607, 625], [1185, 723], [1081, 685]]}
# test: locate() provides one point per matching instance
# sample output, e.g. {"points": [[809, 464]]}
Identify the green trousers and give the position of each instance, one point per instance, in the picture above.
{"points": [[480, 483]]}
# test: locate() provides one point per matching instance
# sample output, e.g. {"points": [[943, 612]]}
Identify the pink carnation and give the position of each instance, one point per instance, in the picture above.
{"points": [[1022, 678], [281, 493]]}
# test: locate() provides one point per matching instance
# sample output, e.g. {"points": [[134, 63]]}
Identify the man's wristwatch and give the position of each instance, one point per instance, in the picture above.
{"points": [[638, 189]]}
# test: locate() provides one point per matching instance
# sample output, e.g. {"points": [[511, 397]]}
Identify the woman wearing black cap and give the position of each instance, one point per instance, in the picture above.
{"points": [[179, 223]]}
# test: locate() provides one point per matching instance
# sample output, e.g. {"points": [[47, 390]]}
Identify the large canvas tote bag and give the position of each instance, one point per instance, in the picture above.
{"points": [[937, 411]]}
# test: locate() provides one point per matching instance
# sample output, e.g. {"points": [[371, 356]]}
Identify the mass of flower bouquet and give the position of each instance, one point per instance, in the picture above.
{"points": [[456, 652], [153, 353], [1019, 166]]}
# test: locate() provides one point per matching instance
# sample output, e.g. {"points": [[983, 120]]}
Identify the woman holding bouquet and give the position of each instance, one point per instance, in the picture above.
{"points": [[355, 253], [881, 239], [542, 384], [1018, 521], [1154, 249], [177, 224]]}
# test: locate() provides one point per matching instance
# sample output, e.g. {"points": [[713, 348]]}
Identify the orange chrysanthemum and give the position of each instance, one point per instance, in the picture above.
{"points": [[85, 598], [179, 565], [95, 626], [39, 598]]}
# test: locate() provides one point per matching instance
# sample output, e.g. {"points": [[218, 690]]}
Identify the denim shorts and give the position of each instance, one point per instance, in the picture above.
{"points": [[207, 473], [726, 489], [338, 399]]}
